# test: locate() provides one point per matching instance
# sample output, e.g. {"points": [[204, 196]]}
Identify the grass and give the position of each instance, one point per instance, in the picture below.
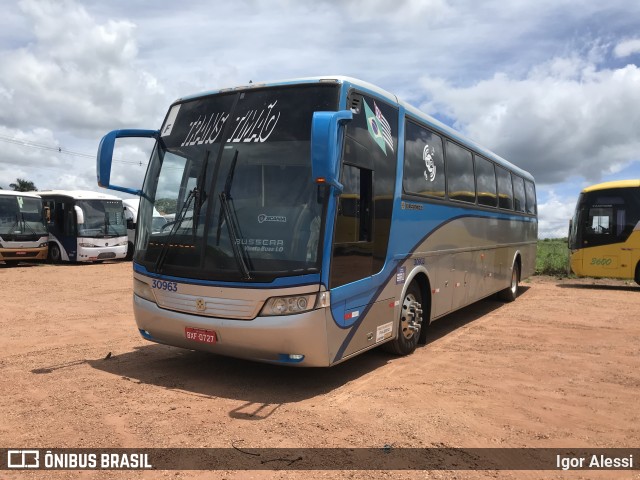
{"points": [[553, 257]]}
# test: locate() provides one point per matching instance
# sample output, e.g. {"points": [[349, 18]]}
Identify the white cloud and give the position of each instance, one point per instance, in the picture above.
{"points": [[554, 214], [566, 117], [76, 74], [627, 48]]}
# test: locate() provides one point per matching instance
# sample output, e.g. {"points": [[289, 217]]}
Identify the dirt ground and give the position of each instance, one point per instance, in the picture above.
{"points": [[559, 367]]}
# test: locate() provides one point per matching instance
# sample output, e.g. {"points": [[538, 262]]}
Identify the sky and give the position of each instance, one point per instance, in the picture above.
{"points": [[553, 86]]}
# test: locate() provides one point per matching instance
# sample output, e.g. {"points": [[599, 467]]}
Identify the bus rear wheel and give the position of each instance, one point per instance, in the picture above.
{"points": [[54, 253], [510, 293], [410, 323]]}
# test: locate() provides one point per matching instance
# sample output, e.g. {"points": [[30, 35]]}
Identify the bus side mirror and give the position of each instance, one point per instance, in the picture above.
{"points": [[79, 215], [326, 132], [105, 156]]}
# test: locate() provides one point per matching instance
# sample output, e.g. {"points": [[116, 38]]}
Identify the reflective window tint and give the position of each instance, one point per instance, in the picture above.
{"points": [[423, 162], [460, 180], [505, 188], [518, 193], [486, 181]]}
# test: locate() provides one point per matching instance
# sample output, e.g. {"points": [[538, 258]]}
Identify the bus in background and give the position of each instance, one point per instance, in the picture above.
{"points": [[316, 219], [130, 206], [84, 226], [604, 233], [23, 231]]}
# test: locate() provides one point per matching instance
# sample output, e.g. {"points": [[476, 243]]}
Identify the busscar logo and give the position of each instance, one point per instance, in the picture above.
{"points": [[200, 305], [271, 218], [23, 459]]}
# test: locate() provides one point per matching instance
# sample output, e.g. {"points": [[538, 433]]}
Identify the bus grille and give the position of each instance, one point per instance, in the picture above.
{"points": [[208, 306], [105, 255], [23, 254]]}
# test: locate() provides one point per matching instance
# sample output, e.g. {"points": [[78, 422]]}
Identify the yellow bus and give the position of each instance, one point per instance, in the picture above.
{"points": [[604, 233]]}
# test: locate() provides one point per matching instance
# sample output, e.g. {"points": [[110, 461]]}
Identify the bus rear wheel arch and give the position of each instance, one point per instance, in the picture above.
{"points": [[410, 322]]}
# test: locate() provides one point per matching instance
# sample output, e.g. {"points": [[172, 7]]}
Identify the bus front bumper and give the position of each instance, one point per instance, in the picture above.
{"points": [[23, 254], [297, 340], [94, 254]]}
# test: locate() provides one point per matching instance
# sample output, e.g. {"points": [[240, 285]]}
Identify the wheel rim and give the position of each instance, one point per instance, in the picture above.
{"points": [[411, 316], [514, 280]]}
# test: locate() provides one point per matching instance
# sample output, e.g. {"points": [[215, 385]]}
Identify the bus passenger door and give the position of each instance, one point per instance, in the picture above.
{"points": [[353, 246]]}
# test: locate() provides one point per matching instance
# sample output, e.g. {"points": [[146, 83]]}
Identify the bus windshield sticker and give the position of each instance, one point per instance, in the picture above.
{"points": [[255, 125], [271, 218], [171, 120], [205, 129], [400, 275], [379, 127], [427, 156]]}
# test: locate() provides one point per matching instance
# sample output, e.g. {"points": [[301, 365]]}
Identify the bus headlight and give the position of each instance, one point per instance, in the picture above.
{"points": [[143, 290], [87, 245], [121, 244], [44, 244], [288, 305]]}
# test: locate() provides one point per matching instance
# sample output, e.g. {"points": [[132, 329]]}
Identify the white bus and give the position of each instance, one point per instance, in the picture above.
{"points": [[23, 233], [84, 226]]}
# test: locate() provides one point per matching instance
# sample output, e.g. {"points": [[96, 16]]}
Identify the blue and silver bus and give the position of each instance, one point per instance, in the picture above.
{"points": [[316, 219], [23, 232], [84, 226]]}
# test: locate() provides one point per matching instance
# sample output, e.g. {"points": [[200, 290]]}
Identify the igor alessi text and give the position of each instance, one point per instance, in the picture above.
{"points": [[593, 461]]}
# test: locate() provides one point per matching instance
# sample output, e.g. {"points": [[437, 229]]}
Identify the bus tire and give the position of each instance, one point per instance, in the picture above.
{"points": [[129, 251], [638, 273], [510, 293], [54, 253], [409, 323]]}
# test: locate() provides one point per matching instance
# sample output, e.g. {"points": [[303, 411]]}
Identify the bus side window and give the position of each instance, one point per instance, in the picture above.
{"points": [[505, 188]]}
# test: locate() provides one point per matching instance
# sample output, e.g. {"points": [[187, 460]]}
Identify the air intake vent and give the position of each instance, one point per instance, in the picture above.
{"points": [[355, 103]]}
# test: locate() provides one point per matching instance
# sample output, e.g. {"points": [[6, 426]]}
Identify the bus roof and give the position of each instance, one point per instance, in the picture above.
{"points": [[13, 193], [391, 98], [614, 184], [79, 194]]}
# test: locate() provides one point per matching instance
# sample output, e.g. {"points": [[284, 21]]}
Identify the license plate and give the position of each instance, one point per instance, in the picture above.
{"points": [[21, 253], [200, 335]]}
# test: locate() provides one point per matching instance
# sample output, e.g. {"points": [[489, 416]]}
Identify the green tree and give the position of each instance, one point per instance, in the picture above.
{"points": [[23, 185]]}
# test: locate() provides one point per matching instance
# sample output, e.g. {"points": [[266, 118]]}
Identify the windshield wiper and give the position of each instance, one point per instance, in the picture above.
{"points": [[26, 225], [107, 224], [200, 194], [174, 229], [228, 212]]}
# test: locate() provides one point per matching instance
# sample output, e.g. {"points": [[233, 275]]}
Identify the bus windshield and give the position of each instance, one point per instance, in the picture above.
{"points": [[243, 209], [102, 218], [21, 216]]}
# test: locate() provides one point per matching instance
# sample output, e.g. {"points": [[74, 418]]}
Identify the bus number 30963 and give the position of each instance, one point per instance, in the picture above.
{"points": [[164, 285]]}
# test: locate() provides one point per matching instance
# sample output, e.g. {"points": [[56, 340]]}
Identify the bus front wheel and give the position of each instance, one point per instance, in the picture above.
{"points": [[510, 293], [410, 323], [54, 253]]}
